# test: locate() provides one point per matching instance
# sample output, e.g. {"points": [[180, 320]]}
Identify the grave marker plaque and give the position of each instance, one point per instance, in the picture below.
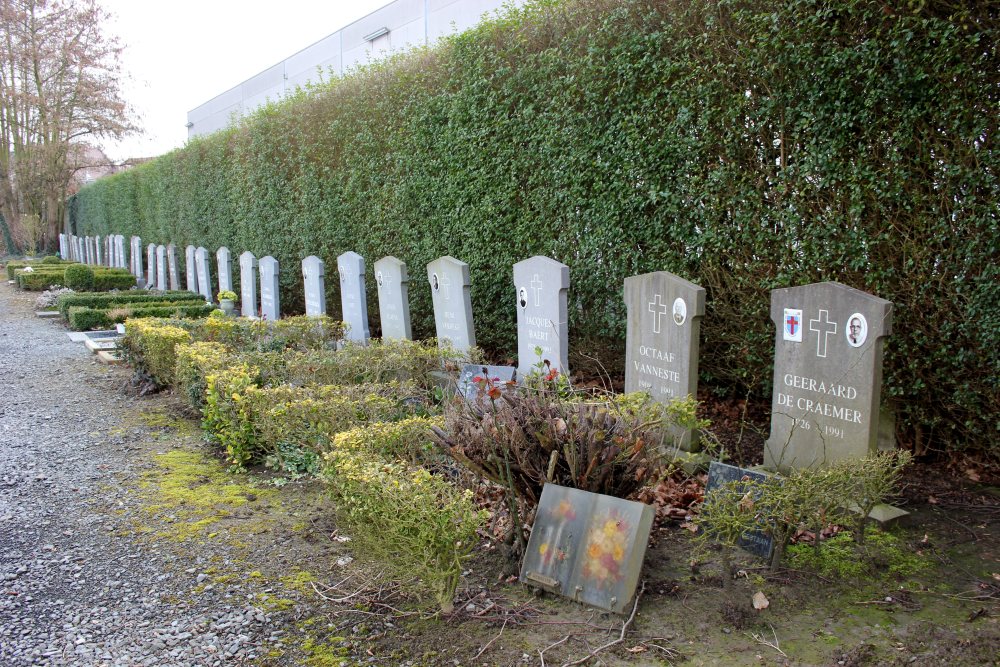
{"points": [[393, 300], [541, 286], [191, 269], [661, 340], [225, 261], [314, 277], [204, 274], [151, 265], [248, 284], [827, 375], [587, 547], [175, 280], [161, 267], [270, 300], [492, 376], [451, 295], [351, 267], [758, 542]]}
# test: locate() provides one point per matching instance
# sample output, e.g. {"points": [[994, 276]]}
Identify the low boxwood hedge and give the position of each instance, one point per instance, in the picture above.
{"points": [[104, 301], [82, 318], [45, 264], [44, 278]]}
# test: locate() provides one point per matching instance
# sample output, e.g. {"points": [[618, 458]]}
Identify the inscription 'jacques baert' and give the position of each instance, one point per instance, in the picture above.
{"points": [[818, 405]]}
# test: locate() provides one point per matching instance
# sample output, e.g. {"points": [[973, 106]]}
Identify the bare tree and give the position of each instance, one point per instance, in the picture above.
{"points": [[60, 84]]}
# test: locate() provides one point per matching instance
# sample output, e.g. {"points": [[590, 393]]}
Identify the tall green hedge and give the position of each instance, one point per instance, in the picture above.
{"points": [[743, 144]]}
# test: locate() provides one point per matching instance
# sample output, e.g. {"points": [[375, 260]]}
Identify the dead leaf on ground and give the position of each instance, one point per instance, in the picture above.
{"points": [[760, 601]]}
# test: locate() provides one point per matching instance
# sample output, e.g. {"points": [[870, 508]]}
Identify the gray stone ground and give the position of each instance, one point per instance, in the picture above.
{"points": [[73, 591]]}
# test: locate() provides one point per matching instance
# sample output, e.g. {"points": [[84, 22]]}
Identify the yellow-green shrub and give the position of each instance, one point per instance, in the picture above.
{"points": [[422, 526], [229, 412], [149, 345], [297, 333], [406, 440], [379, 361], [195, 362]]}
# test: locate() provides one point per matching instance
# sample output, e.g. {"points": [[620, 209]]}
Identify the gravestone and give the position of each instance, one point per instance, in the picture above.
{"points": [[827, 375], [661, 340], [89, 245], [81, 250], [151, 265], [270, 300], [175, 278], [587, 547], [541, 286], [353, 299], [248, 284], [161, 267], [135, 255], [63, 246], [451, 295], [191, 269], [314, 276], [393, 300], [477, 380], [86, 250], [758, 542], [120, 244], [204, 274], [109, 246], [225, 261], [98, 255]]}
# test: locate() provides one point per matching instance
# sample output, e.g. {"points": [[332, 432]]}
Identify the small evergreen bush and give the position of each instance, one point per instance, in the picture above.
{"points": [[79, 277]]}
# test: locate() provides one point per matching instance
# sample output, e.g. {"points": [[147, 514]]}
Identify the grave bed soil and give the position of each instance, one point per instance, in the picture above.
{"points": [[221, 540]]}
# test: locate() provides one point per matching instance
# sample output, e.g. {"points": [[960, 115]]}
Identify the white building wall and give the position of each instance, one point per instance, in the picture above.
{"points": [[409, 22]]}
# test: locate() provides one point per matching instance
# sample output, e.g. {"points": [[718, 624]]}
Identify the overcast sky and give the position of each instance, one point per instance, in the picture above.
{"points": [[182, 53]]}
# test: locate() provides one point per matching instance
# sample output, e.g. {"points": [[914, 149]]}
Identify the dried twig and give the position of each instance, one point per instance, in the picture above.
{"points": [[541, 654], [621, 635], [490, 642], [760, 640]]}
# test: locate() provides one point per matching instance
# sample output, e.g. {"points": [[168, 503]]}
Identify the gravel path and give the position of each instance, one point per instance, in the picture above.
{"points": [[73, 590]]}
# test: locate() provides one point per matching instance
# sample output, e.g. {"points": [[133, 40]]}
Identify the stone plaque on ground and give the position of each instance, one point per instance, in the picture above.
{"points": [[451, 295], [314, 277], [151, 265], [135, 256], [191, 269], [353, 300], [661, 341], [204, 274], [174, 275], [758, 542], [161, 267], [225, 261], [476, 380], [393, 300], [270, 300], [587, 547], [541, 285], [827, 375], [248, 284]]}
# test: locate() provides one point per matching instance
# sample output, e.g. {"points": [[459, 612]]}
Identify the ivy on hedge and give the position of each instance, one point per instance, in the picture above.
{"points": [[743, 144]]}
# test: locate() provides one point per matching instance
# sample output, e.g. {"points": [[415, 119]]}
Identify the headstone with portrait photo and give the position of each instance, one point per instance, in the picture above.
{"points": [[224, 260], [248, 285], [827, 375], [161, 267], [151, 265], [391, 280], [191, 269], [451, 294], [541, 285], [270, 298], [204, 271], [175, 279], [353, 296], [314, 279], [661, 341]]}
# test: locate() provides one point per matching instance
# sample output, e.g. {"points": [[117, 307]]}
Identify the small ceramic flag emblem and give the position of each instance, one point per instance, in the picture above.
{"points": [[793, 325]]}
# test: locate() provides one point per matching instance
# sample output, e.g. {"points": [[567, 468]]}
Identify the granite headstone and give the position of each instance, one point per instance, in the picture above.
{"points": [[353, 299], [451, 295], [248, 285], [270, 299], [204, 270], [161, 267], [172, 272], [541, 286], [191, 269], [224, 259], [314, 277], [393, 301]]}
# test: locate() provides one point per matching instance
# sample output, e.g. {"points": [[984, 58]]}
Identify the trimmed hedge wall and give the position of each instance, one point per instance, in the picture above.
{"points": [[745, 145], [130, 298], [83, 318], [104, 279]]}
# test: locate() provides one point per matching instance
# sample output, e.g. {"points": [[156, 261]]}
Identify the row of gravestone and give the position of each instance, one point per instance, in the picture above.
{"points": [[95, 250], [828, 343]]}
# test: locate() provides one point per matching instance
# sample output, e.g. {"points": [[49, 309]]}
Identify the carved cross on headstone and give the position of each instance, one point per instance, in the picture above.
{"points": [[828, 327], [658, 309]]}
